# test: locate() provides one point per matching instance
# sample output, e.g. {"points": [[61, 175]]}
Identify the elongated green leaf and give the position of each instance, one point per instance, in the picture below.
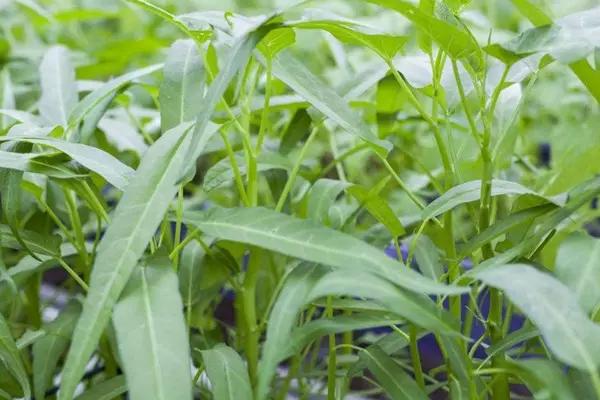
{"points": [[227, 373], [378, 208], [104, 164], [59, 90], [392, 378], [106, 390], [321, 197], [25, 162], [37, 242], [138, 214], [383, 44], [503, 226], [152, 336], [512, 339], [470, 191], [93, 99], [309, 241], [308, 283], [313, 330], [544, 378], [10, 356], [48, 350], [10, 187], [578, 267], [447, 33], [221, 173], [553, 308], [182, 88], [323, 98], [429, 258]]}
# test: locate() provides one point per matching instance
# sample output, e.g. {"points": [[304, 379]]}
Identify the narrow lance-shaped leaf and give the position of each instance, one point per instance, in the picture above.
{"points": [[106, 390], [306, 240], [394, 380], [291, 71], [138, 214], [553, 308], [470, 191], [59, 90], [182, 89], [578, 267], [11, 358], [151, 334], [227, 374], [96, 160], [48, 350]]}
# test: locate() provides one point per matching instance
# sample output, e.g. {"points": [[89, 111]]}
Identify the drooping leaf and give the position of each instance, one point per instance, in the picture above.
{"points": [[571, 336], [227, 373], [321, 198], [309, 241], [544, 378], [182, 89], [578, 267], [151, 334], [48, 350], [11, 358], [96, 160], [377, 207], [59, 90]]}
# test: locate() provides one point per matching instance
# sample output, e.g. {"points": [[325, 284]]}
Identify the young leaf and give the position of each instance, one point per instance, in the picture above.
{"points": [[306, 240], [181, 91], [11, 358], [553, 308], [59, 90], [578, 267], [227, 374], [151, 334]]}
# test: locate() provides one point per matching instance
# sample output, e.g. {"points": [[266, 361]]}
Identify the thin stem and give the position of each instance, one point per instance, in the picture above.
{"points": [[291, 179], [178, 222], [234, 167], [73, 274]]}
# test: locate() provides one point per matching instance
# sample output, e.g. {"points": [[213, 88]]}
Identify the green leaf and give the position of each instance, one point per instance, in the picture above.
{"points": [[578, 267], [377, 207], [392, 378], [383, 44], [39, 243], [313, 330], [227, 374], [552, 307], [139, 214], [114, 171], [26, 162], [429, 258], [151, 334], [136, 217], [275, 41], [181, 91], [107, 390], [89, 103], [307, 283], [321, 197], [504, 225], [297, 129], [306, 240], [544, 378], [295, 75], [11, 358], [470, 191], [59, 90], [48, 350], [451, 36]]}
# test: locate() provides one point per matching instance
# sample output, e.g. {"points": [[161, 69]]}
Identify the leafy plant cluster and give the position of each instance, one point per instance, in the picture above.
{"points": [[323, 199]]}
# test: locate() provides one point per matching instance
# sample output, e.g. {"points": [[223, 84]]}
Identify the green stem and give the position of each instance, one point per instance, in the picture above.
{"points": [[251, 343], [331, 362], [292, 178], [237, 177], [178, 221]]}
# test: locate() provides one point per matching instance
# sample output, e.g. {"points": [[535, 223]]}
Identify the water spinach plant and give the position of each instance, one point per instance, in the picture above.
{"points": [[334, 199]]}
